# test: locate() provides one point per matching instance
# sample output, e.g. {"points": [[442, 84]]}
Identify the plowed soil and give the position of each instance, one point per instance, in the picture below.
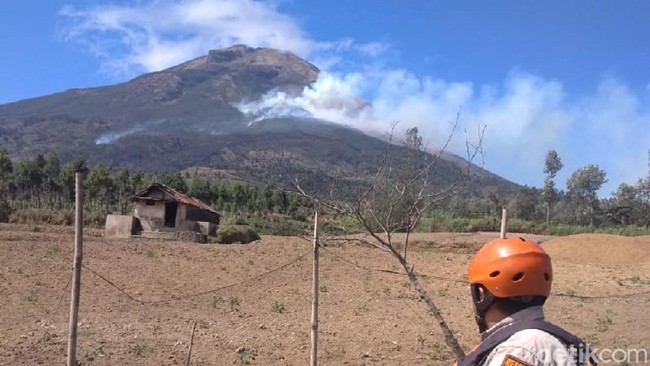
{"points": [[252, 303]]}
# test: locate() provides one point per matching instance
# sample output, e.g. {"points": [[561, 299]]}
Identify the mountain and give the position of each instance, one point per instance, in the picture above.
{"points": [[196, 95], [187, 116]]}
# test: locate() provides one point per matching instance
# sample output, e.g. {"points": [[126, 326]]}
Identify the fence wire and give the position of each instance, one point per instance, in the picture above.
{"points": [[196, 294]]}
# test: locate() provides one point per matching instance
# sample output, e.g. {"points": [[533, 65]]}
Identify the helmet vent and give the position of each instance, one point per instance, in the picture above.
{"points": [[518, 277], [547, 277], [495, 273]]}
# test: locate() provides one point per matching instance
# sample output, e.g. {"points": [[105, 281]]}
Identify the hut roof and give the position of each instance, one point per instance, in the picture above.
{"points": [[174, 196]]}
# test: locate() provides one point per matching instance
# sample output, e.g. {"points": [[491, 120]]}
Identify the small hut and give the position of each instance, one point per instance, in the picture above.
{"points": [[165, 213], [162, 208]]}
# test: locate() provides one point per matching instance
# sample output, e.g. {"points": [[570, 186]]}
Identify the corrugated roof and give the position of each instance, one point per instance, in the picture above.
{"points": [[176, 196]]}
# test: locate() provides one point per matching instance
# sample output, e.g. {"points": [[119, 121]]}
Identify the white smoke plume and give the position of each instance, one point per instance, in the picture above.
{"points": [[110, 137], [525, 116], [330, 98]]}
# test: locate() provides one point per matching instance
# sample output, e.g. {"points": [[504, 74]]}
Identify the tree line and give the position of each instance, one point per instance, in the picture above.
{"points": [[44, 183], [579, 204]]}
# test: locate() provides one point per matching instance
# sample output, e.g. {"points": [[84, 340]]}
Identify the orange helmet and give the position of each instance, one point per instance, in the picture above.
{"points": [[516, 269], [512, 267]]}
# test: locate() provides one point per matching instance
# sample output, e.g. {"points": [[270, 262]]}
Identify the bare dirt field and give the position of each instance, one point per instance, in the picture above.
{"points": [[252, 302]]}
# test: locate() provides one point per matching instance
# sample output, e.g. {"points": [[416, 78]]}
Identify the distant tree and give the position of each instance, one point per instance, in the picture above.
{"points": [[124, 188], [199, 187], [100, 187], [28, 178], [6, 171], [174, 180], [223, 197], [631, 204], [459, 206], [582, 187], [525, 204], [68, 178], [478, 206], [643, 195], [497, 202], [265, 199], [52, 179], [552, 165], [620, 210], [241, 196], [280, 201]]}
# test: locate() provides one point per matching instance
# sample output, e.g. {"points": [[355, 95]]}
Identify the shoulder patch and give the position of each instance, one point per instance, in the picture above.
{"points": [[514, 361]]}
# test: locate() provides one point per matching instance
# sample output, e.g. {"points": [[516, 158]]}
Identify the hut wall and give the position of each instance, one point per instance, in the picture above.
{"points": [[184, 223], [119, 226], [196, 214], [152, 217], [181, 215]]}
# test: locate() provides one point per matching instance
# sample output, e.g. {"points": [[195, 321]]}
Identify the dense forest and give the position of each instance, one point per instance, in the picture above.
{"points": [[41, 190]]}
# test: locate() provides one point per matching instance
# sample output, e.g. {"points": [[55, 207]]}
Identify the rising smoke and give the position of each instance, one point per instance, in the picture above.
{"points": [[331, 97], [110, 137], [369, 101], [525, 113]]}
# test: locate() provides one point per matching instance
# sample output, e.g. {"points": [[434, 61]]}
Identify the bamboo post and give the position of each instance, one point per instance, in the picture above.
{"points": [[314, 303], [189, 351], [76, 269], [504, 222]]}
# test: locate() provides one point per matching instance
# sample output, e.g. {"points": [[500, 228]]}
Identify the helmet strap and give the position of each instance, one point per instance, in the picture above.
{"points": [[482, 299]]}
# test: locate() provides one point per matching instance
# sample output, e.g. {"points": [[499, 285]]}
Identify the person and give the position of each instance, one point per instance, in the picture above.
{"points": [[510, 280]]}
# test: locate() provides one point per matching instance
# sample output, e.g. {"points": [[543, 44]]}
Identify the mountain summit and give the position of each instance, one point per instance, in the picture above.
{"points": [[241, 72]]}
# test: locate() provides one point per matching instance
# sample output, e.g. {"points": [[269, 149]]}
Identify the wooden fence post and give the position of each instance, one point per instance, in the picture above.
{"points": [[76, 269], [314, 303], [189, 351], [504, 222]]}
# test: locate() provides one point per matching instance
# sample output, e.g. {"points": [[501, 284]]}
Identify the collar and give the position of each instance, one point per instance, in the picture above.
{"points": [[531, 313]]}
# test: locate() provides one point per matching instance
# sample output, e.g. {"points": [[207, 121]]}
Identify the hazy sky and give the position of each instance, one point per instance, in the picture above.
{"points": [[571, 76]]}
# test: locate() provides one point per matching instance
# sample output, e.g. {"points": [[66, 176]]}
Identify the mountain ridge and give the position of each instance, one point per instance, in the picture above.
{"points": [[187, 115]]}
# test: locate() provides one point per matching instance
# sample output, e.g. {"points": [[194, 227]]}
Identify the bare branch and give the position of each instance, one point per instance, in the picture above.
{"points": [[399, 193]]}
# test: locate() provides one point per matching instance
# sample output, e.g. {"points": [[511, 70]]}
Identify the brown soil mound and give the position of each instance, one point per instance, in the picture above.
{"points": [[601, 249]]}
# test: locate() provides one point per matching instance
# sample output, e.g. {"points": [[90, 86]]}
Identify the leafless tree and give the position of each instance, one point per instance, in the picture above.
{"points": [[401, 191]]}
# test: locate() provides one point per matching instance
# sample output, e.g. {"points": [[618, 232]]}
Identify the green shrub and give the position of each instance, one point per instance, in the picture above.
{"points": [[564, 230], [240, 221], [94, 219], [459, 225], [630, 230], [350, 223], [41, 216], [228, 219], [483, 224], [446, 223], [276, 225], [523, 226], [278, 307], [229, 234]]}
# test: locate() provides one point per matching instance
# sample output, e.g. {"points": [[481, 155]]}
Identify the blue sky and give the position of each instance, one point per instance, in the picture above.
{"points": [[571, 76]]}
